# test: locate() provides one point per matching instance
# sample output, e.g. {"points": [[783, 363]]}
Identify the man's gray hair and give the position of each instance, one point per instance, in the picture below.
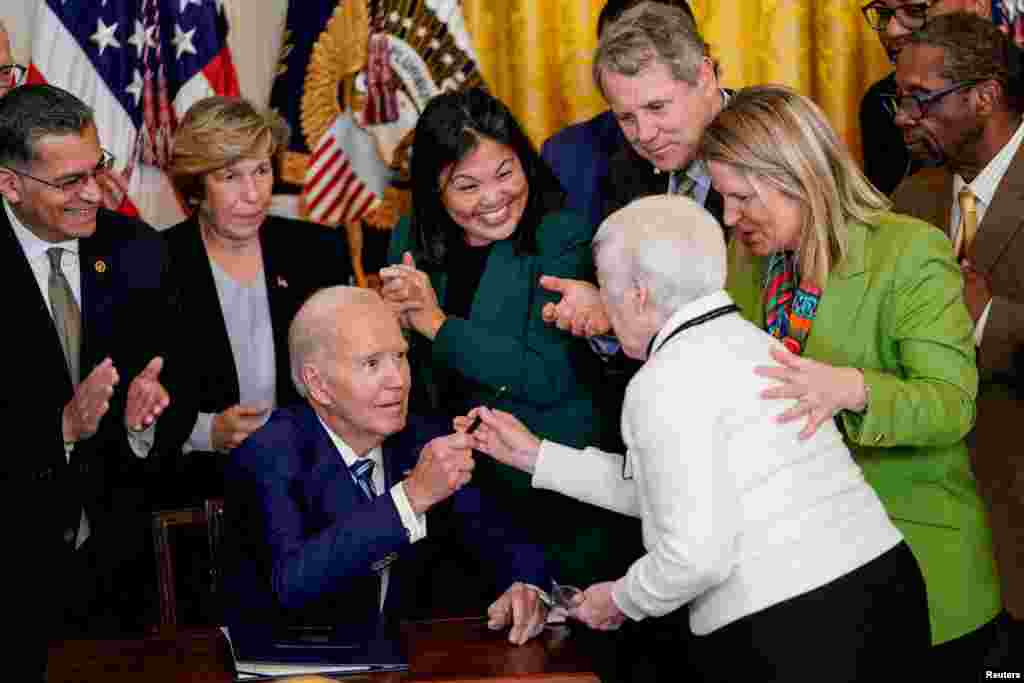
{"points": [[650, 32], [312, 336], [667, 244]]}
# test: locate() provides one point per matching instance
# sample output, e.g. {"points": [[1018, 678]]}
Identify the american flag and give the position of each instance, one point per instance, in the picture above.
{"points": [[140, 64]]}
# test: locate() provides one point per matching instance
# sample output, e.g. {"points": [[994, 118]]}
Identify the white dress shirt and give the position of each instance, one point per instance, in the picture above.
{"points": [[984, 188], [415, 525]]}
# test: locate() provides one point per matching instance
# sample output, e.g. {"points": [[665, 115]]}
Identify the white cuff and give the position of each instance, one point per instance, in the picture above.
{"points": [[979, 327], [201, 437], [415, 525]]}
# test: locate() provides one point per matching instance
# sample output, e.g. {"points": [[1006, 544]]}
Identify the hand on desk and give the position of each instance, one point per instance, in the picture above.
{"points": [[598, 610], [580, 311], [501, 436], [521, 607]]}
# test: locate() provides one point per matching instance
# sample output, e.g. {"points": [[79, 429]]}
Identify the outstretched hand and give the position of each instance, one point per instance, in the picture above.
{"points": [[580, 310], [521, 607], [598, 610], [411, 294]]}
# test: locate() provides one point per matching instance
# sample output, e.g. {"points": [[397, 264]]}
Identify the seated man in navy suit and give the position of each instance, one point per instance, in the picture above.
{"points": [[325, 520]]}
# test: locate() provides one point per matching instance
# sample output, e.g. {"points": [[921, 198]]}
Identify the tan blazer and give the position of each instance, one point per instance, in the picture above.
{"points": [[997, 455]]}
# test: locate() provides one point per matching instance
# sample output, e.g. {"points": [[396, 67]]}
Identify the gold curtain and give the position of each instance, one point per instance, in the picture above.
{"points": [[535, 54]]}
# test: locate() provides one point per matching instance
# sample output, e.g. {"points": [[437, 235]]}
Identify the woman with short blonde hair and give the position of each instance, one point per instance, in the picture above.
{"points": [[243, 276]]}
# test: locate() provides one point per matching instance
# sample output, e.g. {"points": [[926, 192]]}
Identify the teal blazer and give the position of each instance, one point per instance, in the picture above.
{"points": [[894, 309], [505, 342]]}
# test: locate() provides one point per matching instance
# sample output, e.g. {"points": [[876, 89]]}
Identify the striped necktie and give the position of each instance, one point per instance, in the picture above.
{"points": [[362, 471]]}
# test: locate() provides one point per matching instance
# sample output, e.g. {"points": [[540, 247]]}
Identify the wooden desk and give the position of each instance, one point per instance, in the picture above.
{"points": [[461, 650]]}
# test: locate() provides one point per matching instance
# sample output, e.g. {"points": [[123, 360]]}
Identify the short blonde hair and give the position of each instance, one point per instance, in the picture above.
{"points": [[218, 131], [773, 134]]}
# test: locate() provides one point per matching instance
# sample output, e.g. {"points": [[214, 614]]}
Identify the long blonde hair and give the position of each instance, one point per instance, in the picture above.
{"points": [[775, 135]]}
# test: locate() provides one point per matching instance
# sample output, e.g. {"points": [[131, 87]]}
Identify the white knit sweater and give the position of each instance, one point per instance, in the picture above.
{"points": [[738, 513]]}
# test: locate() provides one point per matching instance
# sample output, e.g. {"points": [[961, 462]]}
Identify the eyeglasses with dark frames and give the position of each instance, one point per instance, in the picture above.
{"points": [[12, 75], [75, 183], [915, 105], [911, 15]]}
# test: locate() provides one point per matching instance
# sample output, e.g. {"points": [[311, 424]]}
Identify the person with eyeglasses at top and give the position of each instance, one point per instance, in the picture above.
{"points": [[89, 389], [957, 103], [886, 160], [11, 74]]}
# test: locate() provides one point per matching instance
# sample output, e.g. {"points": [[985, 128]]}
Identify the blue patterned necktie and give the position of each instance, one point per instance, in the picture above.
{"points": [[362, 471]]}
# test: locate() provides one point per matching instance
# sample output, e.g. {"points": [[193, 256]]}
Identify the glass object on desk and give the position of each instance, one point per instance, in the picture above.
{"points": [[565, 596]]}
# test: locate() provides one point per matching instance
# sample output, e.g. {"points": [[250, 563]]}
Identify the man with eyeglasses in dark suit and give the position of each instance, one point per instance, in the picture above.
{"points": [[91, 323], [886, 160]]}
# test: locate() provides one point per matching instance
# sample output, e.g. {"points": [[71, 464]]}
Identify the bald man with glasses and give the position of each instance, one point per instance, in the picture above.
{"points": [[886, 160]]}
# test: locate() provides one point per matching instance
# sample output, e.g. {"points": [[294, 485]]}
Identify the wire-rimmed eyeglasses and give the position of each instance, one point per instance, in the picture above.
{"points": [[77, 182], [12, 75], [911, 15], [915, 105]]}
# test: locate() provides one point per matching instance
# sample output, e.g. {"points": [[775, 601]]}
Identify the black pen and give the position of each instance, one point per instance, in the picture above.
{"points": [[494, 399]]}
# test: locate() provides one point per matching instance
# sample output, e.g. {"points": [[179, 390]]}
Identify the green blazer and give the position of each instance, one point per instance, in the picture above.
{"points": [[505, 342], [894, 309]]}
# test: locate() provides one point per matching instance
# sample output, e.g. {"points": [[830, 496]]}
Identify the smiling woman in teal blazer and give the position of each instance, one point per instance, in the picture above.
{"points": [[889, 334], [486, 223]]}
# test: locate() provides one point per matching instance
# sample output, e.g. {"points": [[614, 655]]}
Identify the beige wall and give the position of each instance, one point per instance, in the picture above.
{"points": [[255, 57]]}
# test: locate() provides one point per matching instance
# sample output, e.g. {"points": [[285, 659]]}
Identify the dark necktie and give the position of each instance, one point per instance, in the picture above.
{"points": [[66, 315], [362, 471]]}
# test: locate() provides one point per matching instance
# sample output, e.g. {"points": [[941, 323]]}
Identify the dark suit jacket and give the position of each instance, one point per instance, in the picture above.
{"points": [[886, 159], [998, 252], [128, 313], [298, 259], [302, 541], [579, 156]]}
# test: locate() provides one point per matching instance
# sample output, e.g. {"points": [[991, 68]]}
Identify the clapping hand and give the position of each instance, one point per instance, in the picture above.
{"points": [[821, 390], [410, 292], [90, 402], [147, 398]]}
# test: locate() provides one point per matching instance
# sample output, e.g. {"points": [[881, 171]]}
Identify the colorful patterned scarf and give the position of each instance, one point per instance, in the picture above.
{"points": [[789, 310]]}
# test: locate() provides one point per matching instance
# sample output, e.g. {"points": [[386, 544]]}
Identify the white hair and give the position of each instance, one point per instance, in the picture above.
{"points": [[312, 336], [667, 244]]}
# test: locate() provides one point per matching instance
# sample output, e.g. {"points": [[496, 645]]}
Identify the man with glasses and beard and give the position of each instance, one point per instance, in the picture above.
{"points": [[957, 105], [886, 161]]}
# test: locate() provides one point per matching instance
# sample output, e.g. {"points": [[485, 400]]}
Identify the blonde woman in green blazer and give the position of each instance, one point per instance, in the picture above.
{"points": [[870, 306]]}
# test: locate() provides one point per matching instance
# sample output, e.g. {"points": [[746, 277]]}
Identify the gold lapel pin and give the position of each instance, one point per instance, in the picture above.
{"points": [[101, 266]]}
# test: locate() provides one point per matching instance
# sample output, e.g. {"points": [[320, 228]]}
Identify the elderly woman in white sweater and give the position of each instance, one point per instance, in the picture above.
{"points": [[779, 552]]}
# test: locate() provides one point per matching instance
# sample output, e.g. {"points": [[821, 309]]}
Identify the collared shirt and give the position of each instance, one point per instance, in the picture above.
{"points": [[984, 187], [34, 249], [415, 525]]}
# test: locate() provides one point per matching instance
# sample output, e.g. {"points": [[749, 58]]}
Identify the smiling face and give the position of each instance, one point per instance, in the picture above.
{"points": [[50, 213], [663, 118], [237, 198], [364, 390], [485, 192], [950, 128], [764, 219]]}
